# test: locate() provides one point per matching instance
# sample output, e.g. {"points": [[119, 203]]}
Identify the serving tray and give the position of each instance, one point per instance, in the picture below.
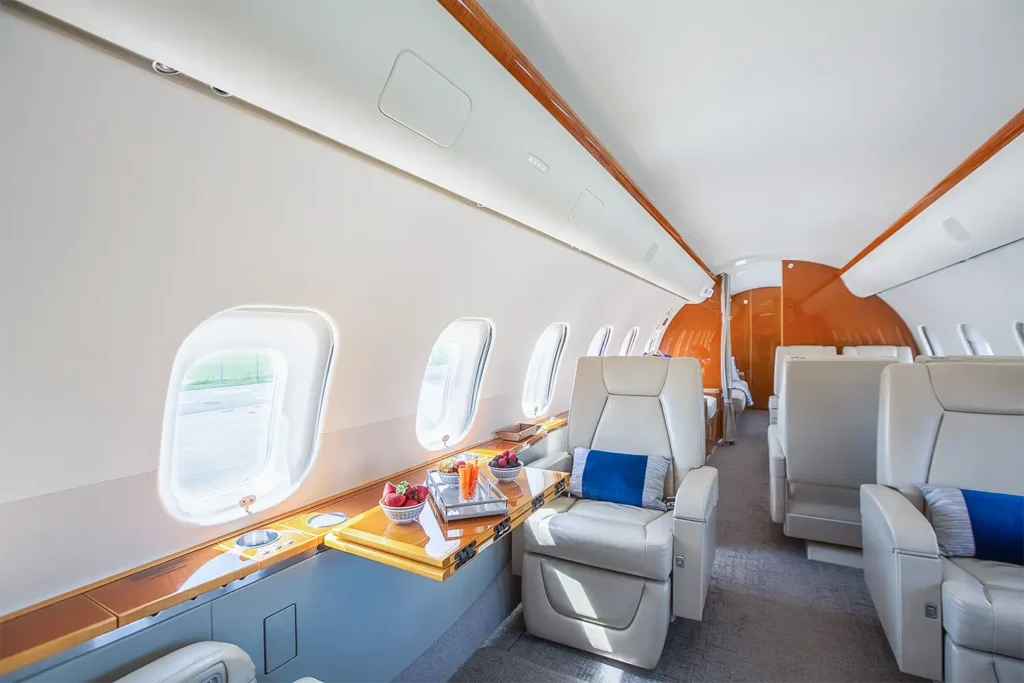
{"points": [[488, 499]]}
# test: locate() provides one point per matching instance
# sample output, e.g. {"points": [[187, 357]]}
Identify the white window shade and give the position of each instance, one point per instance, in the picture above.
{"points": [[451, 383], [243, 411], [543, 370], [599, 344], [974, 342], [1018, 334], [627, 344]]}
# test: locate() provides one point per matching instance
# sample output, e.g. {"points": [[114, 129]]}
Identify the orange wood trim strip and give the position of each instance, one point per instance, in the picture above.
{"points": [[1004, 136], [486, 31], [50, 630], [44, 629]]}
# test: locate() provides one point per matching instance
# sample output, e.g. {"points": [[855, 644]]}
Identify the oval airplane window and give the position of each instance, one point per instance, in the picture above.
{"points": [[543, 370], [627, 343], [928, 344], [243, 409], [451, 383], [973, 340], [599, 344], [1018, 334]]}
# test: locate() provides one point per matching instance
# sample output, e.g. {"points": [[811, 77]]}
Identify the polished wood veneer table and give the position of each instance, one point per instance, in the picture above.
{"points": [[437, 549]]}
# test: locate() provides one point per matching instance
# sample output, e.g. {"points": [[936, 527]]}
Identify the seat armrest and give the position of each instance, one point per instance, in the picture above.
{"points": [[776, 456], [697, 494], [556, 462], [898, 524]]}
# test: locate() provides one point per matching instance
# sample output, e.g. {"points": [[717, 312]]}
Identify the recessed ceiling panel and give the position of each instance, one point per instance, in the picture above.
{"points": [[587, 211], [424, 101]]}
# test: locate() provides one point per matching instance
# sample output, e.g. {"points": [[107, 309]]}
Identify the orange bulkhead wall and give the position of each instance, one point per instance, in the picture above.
{"points": [[812, 307]]}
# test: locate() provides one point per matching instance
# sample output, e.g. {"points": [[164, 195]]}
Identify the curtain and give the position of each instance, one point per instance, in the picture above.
{"points": [[728, 417]]}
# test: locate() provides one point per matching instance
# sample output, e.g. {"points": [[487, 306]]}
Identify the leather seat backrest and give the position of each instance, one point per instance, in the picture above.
{"points": [[901, 353], [641, 406], [828, 419], [952, 424], [784, 352], [198, 663]]}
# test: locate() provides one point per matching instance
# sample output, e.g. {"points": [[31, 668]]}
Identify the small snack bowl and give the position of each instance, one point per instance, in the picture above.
{"points": [[505, 473], [402, 515], [450, 478]]}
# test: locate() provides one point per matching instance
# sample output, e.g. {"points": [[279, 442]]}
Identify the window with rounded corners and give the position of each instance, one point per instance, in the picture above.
{"points": [[243, 409], [539, 386], [599, 344], [627, 344], [929, 345], [973, 340], [649, 346], [1018, 334], [451, 383]]}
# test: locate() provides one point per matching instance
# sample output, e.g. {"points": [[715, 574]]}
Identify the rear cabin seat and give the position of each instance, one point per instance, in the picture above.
{"points": [[969, 359], [901, 353], [824, 446], [201, 663], [781, 354]]}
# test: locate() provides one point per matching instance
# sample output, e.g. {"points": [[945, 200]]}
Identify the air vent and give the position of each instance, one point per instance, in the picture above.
{"points": [[587, 212], [649, 256], [956, 230]]}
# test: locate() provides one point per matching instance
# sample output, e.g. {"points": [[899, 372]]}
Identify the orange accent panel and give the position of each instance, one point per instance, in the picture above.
{"points": [[486, 31], [47, 631], [696, 332], [819, 309], [765, 335], [1002, 137]]}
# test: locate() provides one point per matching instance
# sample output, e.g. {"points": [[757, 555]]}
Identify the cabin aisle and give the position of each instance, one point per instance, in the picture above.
{"points": [[771, 614]]}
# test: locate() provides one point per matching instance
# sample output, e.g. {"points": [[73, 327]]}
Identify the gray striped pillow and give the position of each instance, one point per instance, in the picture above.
{"points": [[947, 511]]}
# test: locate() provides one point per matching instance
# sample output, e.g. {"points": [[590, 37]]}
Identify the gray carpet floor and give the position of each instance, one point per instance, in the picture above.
{"points": [[771, 614]]}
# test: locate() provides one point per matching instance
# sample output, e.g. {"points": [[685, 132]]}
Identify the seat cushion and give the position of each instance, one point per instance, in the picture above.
{"points": [[983, 605], [620, 538]]}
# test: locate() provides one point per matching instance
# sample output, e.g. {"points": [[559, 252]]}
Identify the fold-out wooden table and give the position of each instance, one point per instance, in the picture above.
{"points": [[437, 549]]}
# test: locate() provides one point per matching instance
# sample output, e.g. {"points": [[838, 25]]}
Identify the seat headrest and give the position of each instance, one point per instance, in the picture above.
{"points": [[969, 359], [196, 663], [901, 353], [783, 352], [978, 387]]}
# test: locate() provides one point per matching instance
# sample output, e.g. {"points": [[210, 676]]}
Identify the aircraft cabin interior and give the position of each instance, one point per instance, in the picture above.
{"points": [[604, 341]]}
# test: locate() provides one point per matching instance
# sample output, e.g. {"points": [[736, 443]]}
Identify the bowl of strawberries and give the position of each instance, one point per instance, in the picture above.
{"points": [[403, 503], [505, 467]]}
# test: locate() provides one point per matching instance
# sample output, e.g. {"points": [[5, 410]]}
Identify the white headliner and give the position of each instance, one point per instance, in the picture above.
{"points": [[780, 129]]}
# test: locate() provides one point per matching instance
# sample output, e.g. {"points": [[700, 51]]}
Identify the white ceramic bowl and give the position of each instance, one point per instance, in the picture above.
{"points": [[402, 515], [505, 473], [452, 479]]}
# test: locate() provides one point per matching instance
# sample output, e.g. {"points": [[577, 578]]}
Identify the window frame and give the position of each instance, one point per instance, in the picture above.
{"points": [[931, 346], [439, 436], [626, 347], [550, 375], [602, 338], [304, 342], [971, 346]]}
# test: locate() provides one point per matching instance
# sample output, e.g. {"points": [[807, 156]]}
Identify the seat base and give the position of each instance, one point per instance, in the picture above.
{"points": [[964, 665], [556, 602], [830, 553], [828, 514]]}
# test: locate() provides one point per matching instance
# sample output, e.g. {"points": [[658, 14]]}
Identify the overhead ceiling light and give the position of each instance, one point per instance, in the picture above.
{"points": [[164, 70], [956, 230], [536, 163], [742, 262], [219, 92]]}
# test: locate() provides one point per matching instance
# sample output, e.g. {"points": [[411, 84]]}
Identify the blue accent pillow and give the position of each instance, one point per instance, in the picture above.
{"points": [[979, 524], [637, 480]]}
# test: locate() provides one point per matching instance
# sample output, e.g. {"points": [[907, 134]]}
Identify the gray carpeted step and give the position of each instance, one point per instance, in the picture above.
{"points": [[492, 665]]}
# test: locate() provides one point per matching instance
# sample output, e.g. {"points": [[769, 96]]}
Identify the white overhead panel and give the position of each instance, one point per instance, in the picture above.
{"points": [[794, 130], [407, 84], [755, 274], [982, 212]]}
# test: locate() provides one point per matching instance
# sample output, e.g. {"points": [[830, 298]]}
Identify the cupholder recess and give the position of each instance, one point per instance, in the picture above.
{"points": [[258, 538], [326, 519]]}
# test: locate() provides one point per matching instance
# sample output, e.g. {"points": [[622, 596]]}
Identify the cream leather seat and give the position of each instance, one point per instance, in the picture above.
{"points": [[605, 577], [901, 353], [201, 663], [947, 424], [969, 359], [824, 446], [781, 354]]}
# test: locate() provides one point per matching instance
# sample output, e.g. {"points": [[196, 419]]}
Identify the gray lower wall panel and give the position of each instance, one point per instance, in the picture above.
{"points": [[355, 620]]}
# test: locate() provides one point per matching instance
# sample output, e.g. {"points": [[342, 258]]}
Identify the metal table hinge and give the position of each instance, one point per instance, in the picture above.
{"points": [[465, 555], [560, 486], [502, 528], [537, 502]]}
